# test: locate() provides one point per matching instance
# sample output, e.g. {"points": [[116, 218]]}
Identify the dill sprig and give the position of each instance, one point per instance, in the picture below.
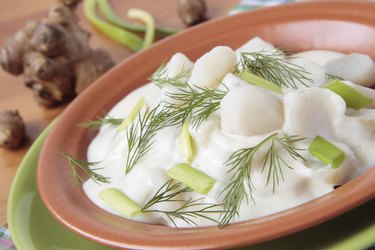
{"points": [[101, 121], [197, 102], [270, 65], [274, 162], [140, 134], [241, 161], [187, 211], [160, 78], [333, 77], [75, 164]]}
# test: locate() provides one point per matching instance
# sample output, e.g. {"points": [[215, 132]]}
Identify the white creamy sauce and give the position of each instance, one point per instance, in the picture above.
{"points": [[247, 115]]}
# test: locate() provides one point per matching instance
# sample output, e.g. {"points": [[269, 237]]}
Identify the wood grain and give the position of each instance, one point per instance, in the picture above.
{"points": [[13, 94]]}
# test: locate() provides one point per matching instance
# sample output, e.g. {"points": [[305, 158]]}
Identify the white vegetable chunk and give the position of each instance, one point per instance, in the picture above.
{"points": [[358, 132], [313, 112], [231, 81], [250, 110], [177, 64], [357, 68], [347, 170], [211, 68], [254, 45], [257, 44], [320, 57], [315, 73]]}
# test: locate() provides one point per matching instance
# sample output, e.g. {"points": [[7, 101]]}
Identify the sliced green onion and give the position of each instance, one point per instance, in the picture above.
{"points": [[120, 201], [326, 152], [191, 177], [259, 82], [145, 17], [352, 97], [117, 34], [107, 12], [185, 142], [133, 113]]}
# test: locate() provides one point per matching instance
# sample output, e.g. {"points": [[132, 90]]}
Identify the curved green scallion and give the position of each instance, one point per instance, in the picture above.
{"points": [[117, 34], [107, 12], [146, 18]]}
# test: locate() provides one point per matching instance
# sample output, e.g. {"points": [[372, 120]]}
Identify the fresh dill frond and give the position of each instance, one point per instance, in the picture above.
{"points": [[275, 163], [101, 122], [160, 78], [332, 77], [86, 167], [197, 102], [187, 211], [270, 65], [240, 163], [140, 134]]}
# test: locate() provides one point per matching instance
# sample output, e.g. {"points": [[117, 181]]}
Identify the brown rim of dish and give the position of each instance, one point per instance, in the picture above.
{"points": [[332, 21]]}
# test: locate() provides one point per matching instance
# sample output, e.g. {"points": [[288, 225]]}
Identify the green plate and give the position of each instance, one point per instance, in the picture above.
{"points": [[30, 224], [32, 227]]}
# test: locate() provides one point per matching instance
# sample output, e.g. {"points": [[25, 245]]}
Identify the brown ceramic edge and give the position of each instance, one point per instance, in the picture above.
{"points": [[342, 209]]}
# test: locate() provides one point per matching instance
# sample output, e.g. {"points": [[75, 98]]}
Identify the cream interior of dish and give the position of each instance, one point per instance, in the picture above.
{"points": [[247, 115]]}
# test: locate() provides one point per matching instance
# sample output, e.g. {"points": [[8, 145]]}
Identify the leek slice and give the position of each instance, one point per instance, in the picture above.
{"points": [[185, 142], [352, 97], [191, 177], [326, 152], [259, 82], [133, 113], [120, 201]]}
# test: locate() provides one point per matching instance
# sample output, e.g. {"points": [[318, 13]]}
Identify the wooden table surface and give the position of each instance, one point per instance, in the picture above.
{"points": [[15, 96]]}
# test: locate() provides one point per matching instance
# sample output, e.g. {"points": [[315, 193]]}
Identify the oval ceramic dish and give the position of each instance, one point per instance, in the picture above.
{"points": [[341, 26]]}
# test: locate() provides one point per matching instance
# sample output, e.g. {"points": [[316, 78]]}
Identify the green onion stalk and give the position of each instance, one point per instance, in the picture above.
{"points": [[107, 12], [117, 34]]}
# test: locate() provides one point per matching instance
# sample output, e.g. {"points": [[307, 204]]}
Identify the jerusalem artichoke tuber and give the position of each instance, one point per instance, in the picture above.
{"points": [[49, 39], [93, 67], [192, 12], [54, 56], [12, 129]]}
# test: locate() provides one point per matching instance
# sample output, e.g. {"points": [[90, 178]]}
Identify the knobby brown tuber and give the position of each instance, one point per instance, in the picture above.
{"points": [[71, 3], [93, 67], [192, 12], [54, 56], [12, 129], [49, 39], [11, 56]]}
